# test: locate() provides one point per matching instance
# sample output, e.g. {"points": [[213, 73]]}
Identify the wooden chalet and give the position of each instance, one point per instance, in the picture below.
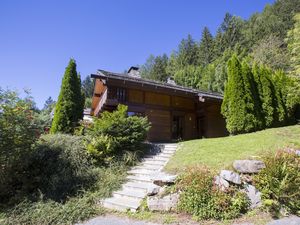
{"points": [[175, 112]]}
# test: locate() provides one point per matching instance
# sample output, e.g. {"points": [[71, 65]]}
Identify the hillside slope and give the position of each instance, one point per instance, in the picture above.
{"points": [[220, 152]]}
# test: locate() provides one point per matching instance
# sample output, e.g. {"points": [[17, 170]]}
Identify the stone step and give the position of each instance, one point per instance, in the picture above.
{"points": [[164, 154], [149, 167], [138, 185], [169, 151], [131, 193], [122, 203], [142, 171], [140, 181], [153, 162], [139, 178], [156, 158]]}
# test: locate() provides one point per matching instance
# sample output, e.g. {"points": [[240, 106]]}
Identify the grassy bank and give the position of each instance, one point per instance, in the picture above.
{"points": [[220, 152]]}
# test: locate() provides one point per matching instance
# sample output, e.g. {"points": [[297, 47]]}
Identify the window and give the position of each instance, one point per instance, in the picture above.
{"points": [[135, 114], [121, 94]]}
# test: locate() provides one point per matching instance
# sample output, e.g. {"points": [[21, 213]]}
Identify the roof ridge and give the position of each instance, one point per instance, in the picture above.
{"points": [[126, 76]]}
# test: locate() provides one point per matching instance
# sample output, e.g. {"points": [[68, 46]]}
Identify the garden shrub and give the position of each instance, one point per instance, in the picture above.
{"points": [[115, 132], [279, 182], [18, 131], [201, 198], [58, 167]]}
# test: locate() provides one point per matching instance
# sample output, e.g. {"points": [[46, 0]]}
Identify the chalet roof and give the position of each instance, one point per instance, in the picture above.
{"points": [[102, 74]]}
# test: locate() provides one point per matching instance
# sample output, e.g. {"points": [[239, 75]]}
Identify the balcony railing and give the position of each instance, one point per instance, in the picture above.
{"points": [[101, 103]]}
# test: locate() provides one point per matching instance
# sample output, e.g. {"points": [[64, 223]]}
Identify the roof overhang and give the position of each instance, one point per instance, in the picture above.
{"points": [[202, 95]]}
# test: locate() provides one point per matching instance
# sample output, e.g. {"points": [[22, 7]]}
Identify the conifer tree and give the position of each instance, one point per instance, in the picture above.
{"points": [[206, 47], [262, 76], [70, 103], [253, 115], [233, 106]]}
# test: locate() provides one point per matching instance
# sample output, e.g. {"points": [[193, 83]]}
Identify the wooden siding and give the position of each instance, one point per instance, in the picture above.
{"points": [[135, 96], [160, 125], [157, 99], [215, 125], [181, 102], [99, 89]]}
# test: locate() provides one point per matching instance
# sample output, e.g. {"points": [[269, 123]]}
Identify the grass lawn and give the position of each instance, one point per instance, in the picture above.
{"points": [[220, 152]]}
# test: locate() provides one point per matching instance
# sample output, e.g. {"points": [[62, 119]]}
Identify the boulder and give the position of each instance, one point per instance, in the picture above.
{"points": [[254, 196], [153, 189], [248, 166], [167, 203], [221, 183], [162, 179], [230, 176]]}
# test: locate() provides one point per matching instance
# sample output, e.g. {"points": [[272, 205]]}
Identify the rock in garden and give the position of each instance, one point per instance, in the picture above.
{"points": [[162, 179], [230, 176], [221, 183], [153, 189], [167, 203], [248, 166], [254, 196]]}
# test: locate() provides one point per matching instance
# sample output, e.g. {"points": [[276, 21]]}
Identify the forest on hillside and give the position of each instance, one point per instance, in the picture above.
{"points": [[202, 64]]}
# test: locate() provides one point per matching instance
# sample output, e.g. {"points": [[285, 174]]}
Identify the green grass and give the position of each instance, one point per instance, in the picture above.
{"points": [[221, 152]]}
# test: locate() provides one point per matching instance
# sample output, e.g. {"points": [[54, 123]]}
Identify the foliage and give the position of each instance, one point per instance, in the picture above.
{"points": [[51, 212], [293, 42], [88, 87], [269, 51], [69, 107], [115, 132], [44, 116], [201, 198], [88, 103], [188, 76], [58, 167], [155, 68], [279, 182], [256, 98], [18, 131], [74, 209], [238, 104], [261, 37], [206, 47]]}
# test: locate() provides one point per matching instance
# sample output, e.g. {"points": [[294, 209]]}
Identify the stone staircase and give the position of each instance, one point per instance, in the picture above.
{"points": [[139, 181]]}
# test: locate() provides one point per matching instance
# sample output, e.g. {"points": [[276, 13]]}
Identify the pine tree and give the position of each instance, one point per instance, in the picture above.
{"points": [[206, 47], [70, 103], [233, 106]]}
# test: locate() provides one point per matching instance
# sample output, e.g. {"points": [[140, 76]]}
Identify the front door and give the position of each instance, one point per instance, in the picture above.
{"points": [[177, 127]]}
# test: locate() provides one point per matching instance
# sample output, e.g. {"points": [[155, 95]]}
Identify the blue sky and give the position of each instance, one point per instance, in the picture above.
{"points": [[37, 38]]}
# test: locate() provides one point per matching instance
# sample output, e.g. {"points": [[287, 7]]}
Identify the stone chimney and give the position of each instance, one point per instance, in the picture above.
{"points": [[134, 72], [170, 80]]}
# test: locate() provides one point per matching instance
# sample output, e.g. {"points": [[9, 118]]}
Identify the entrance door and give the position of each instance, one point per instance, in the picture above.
{"points": [[177, 127], [200, 127]]}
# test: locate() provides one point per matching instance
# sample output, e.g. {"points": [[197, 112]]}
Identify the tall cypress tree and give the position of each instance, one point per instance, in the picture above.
{"points": [[253, 111], [233, 106], [262, 76], [70, 103]]}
